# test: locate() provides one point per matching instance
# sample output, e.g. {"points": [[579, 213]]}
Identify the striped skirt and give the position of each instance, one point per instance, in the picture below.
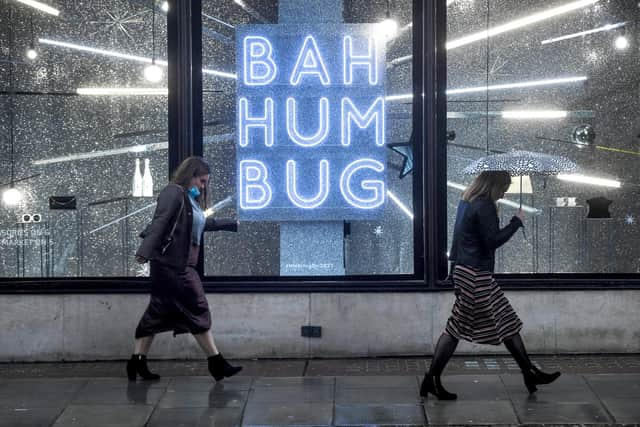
{"points": [[481, 312]]}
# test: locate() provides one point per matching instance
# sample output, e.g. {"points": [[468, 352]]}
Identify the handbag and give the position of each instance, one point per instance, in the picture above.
{"points": [[167, 241], [62, 202]]}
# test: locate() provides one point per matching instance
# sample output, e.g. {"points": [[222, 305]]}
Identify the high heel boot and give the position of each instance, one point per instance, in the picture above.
{"points": [[534, 376], [220, 368], [431, 384], [137, 365]]}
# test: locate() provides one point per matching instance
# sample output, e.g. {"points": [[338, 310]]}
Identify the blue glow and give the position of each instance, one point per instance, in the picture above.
{"points": [[323, 191], [375, 186], [265, 122], [258, 54], [323, 124], [351, 113], [368, 61], [310, 62], [256, 173]]}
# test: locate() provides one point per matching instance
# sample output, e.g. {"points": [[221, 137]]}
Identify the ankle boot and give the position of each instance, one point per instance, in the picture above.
{"points": [[534, 376], [220, 368], [431, 384], [137, 365]]}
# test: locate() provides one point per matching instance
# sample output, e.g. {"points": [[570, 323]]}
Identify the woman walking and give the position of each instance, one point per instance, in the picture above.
{"points": [[481, 313], [171, 243]]}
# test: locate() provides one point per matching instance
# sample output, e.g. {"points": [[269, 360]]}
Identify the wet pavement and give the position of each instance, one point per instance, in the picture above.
{"points": [[593, 390]]}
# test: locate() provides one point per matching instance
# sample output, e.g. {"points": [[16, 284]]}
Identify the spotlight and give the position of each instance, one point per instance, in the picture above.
{"points": [[388, 26], [32, 53], [12, 197], [165, 6], [621, 42], [153, 73]]}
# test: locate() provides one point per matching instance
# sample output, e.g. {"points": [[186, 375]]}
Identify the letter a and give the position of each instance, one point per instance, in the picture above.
{"points": [[310, 62]]}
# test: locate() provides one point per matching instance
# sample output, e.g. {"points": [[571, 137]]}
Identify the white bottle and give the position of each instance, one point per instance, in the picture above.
{"points": [[147, 181], [137, 181]]}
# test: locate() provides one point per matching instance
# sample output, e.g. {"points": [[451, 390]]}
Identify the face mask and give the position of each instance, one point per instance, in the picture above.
{"points": [[194, 192]]}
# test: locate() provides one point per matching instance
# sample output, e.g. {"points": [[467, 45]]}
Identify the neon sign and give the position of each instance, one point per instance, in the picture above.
{"points": [[311, 122]]}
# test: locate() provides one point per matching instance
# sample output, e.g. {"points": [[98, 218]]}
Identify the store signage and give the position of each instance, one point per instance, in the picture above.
{"points": [[310, 122]]}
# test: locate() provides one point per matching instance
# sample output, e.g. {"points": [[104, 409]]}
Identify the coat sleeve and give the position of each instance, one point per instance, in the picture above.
{"points": [[213, 224], [489, 226], [169, 201]]}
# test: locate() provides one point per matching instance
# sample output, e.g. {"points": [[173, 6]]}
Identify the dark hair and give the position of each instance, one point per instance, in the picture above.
{"points": [[192, 167], [489, 184]]}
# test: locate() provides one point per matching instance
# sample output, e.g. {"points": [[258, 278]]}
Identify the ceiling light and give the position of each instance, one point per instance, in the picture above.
{"points": [[621, 42], [165, 6], [388, 27], [11, 197], [40, 6], [583, 179], [534, 114], [153, 73], [32, 53], [121, 91], [584, 33], [519, 23], [125, 56]]}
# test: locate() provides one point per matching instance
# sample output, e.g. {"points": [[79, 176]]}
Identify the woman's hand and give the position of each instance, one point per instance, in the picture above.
{"points": [[520, 214], [141, 259]]}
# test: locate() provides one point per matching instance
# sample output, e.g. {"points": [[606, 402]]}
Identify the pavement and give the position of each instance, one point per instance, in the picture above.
{"points": [[593, 390]]}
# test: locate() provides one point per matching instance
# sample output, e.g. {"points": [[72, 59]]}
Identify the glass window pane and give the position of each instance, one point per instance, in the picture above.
{"points": [[73, 129], [554, 78], [311, 201]]}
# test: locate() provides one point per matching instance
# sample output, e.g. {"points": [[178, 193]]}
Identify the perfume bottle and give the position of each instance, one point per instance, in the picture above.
{"points": [[147, 181], [137, 181]]}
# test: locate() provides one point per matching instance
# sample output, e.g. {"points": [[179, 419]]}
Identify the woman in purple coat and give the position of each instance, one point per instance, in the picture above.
{"points": [[171, 243]]}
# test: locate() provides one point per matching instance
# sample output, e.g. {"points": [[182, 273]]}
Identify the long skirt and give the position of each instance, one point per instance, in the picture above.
{"points": [[178, 302], [481, 312]]}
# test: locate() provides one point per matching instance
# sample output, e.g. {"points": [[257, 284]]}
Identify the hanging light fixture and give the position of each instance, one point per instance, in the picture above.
{"points": [[32, 53], [12, 196], [165, 6], [388, 26], [153, 72], [621, 42]]}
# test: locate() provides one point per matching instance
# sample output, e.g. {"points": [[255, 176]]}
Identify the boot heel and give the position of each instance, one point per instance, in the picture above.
{"points": [[131, 369], [531, 385]]}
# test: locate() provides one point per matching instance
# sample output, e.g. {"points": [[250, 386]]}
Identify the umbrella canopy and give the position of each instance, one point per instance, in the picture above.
{"points": [[518, 163]]}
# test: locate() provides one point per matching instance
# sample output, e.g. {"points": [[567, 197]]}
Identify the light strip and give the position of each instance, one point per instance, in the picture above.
{"points": [[583, 179], [124, 150], [534, 114], [584, 33], [213, 18], [126, 56], [560, 80], [400, 204], [519, 23], [506, 202], [251, 11], [534, 83], [40, 6], [121, 91]]}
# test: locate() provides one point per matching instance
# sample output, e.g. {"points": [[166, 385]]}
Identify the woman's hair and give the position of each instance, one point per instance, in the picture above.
{"points": [[192, 167], [489, 184]]}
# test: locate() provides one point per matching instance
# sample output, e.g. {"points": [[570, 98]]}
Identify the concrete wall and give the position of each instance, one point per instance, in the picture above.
{"points": [[95, 327]]}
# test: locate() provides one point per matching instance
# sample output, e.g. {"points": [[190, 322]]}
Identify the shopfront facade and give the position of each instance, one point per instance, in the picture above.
{"points": [[338, 132]]}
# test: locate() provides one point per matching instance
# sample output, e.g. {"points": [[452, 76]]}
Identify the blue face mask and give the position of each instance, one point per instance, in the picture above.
{"points": [[194, 192]]}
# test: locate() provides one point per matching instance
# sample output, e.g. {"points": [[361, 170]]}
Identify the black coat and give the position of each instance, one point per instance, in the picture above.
{"points": [[173, 203], [477, 234]]}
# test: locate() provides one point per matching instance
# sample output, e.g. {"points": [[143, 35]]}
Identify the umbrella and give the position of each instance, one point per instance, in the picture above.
{"points": [[520, 162]]}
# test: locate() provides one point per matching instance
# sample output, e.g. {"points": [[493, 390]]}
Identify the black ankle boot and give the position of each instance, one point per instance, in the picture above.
{"points": [[137, 365], [431, 384], [220, 368], [534, 376]]}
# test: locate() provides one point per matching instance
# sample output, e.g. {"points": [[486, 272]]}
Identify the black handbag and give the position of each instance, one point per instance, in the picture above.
{"points": [[166, 242], [62, 202]]}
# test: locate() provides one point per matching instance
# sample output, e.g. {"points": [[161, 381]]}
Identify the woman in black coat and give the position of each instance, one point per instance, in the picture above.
{"points": [[171, 243], [481, 312]]}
